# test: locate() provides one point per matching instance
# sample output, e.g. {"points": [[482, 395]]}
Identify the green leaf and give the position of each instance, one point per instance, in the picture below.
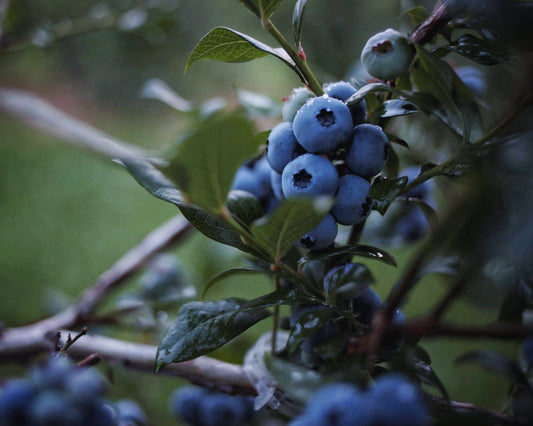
{"points": [[205, 162], [367, 90], [288, 223], [394, 108], [453, 102], [227, 45], [231, 272], [208, 224], [244, 206], [392, 166], [202, 327], [283, 296], [268, 7], [417, 14], [482, 51], [308, 324], [297, 20], [427, 210], [384, 191], [426, 374], [497, 363], [296, 381], [397, 140], [252, 5], [347, 283], [348, 252]]}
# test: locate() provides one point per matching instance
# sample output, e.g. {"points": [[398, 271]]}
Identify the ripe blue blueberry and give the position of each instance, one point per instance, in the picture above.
{"points": [[413, 225], [309, 175], [295, 102], [185, 403], [342, 90], [366, 305], [15, 399], [275, 183], [322, 236], [218, 409], [352, 203], [368, 151], [253, 177], [387, 55], [130, 412], [323, 124], [404, 402], [53, 407], [338, 404], [282, 146], [473, 78]]}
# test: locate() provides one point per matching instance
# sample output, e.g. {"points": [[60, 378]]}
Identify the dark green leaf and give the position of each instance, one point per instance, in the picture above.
{"points": [[394, 108], [417, 14], [482, 51], [202, 327], [497, 363], [308, 324], [347, 283], [367, 90], [252, 5], [347, 252], [392, 166], [244, 206], [297, 20], [230, 272], [288, 223], [384, 191], [426, 374], [158, 185], [397, 140], [283, 296], [296, 381], [227, 45], [268, 7], [206, 160]]}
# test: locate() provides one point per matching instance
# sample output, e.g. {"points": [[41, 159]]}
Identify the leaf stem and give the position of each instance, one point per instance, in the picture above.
{"points": [[300, 62], [275, 319]]}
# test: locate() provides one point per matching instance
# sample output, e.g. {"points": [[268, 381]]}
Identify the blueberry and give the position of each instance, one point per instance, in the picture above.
{"points": [[405, 405], [299, 310], [366, 305], [15, 398], [413, 225], [309, 174], [275, 183], [387, 55], [253, 177], [85, 384], [368, 151], [295, 102], [473, 78], [352, 202], [163, 278], [129, 411], [323, 124], [342, 90], [322, 236], [54, 373], [217, 409], [185, 403], [282, 146], [52, 407], [336, 404]]}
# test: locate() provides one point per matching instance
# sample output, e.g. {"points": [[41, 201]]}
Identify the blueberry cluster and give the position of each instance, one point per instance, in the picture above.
{"points": [[56, 393], [202, 407], [393, 400], [364, 305], [323, 148]]}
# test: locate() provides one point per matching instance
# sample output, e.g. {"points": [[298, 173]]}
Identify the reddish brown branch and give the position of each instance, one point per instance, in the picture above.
{"points": [[428, 29]]}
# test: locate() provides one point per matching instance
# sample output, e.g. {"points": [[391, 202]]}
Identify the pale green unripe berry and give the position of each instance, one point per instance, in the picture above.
{"points": [[296, 100], [387, 55]]}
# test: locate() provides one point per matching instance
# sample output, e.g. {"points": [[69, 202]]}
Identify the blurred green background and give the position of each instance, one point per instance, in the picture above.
{"points": [[66, 216]]}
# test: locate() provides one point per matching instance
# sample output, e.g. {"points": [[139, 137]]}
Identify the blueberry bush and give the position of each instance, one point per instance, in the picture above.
{"points": [[420, 148]]}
